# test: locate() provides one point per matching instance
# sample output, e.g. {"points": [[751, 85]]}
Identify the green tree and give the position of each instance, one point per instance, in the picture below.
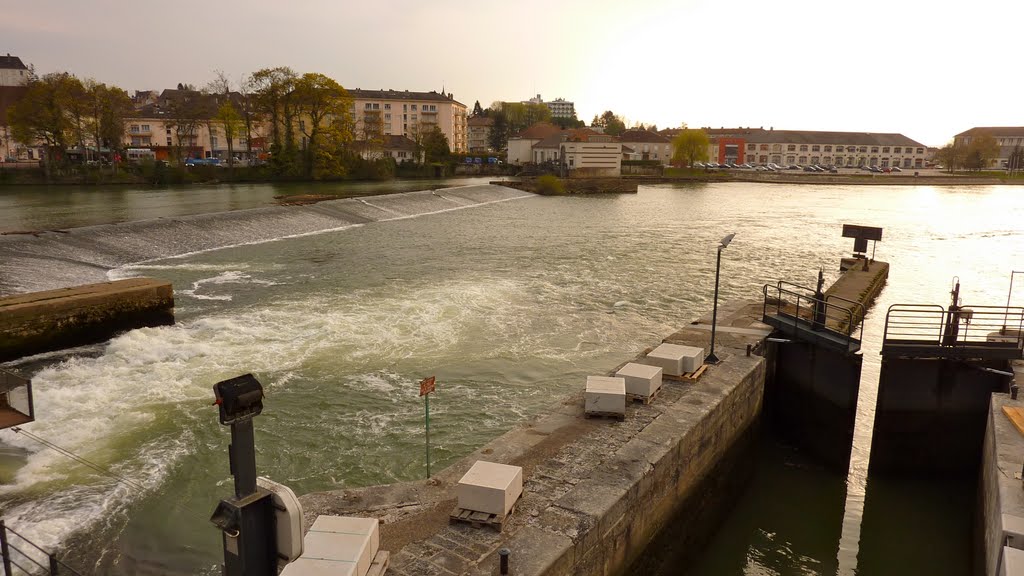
{"points": [[231, 122], [321, 104], [435, 145], [981, 151], [272, 93], [1015, 163], [187, 109], [498, 137], [42, 115], [520, 116], [477, 109], [108, 108], [566, 123], [690, 146], [613, 125], [951, 156]]}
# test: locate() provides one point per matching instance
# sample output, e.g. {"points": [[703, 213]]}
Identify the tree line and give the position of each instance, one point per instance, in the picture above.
{"points": [[312, 131]]}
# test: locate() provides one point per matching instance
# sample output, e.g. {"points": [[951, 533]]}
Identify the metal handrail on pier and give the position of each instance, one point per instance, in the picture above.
{"points": [[798, 310], [962, 332], [52, 567]]}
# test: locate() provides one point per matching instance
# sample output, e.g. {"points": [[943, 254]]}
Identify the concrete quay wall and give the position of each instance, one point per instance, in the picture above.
{"points": [[1001, 492], [55, 319], [596, 491]]}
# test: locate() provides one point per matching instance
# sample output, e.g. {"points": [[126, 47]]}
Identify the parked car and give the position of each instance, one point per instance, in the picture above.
{"points": [[194, 161], [793, 167], [896, 169]]}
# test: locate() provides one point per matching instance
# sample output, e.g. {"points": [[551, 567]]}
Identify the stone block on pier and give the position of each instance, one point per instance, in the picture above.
{"points": [[339, 546], [676, 359], [641, 379], [490, 487], [605, 395]]}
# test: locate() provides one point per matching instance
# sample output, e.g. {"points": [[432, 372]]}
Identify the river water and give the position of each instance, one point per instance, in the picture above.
{"points": [[510, 302]]}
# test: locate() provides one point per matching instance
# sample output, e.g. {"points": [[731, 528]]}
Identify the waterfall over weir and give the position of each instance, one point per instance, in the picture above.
{"points": [[56, 259]]}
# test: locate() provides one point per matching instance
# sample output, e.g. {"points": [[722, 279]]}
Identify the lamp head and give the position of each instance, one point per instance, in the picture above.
{"points": [[726, 240]]}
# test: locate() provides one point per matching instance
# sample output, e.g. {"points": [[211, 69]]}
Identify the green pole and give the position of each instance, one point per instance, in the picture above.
{"points": [[426, 405]]}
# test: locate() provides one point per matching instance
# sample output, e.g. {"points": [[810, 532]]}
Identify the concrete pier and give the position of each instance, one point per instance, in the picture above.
{"points": [[1001, 491], [596, 492], [55, 319]]}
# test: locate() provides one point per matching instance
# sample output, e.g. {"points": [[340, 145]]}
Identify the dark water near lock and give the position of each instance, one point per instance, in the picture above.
{"points": [[511, 300]]}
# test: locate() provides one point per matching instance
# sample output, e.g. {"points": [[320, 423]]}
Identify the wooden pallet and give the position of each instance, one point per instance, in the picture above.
{"points": [[615, 415], [478, 519], [642, 398], [688, 376], [380, 563]]}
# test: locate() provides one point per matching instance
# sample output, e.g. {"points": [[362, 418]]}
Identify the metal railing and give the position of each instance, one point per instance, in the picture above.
{"points": [[22, 558], [800, 303], [931, 324]]}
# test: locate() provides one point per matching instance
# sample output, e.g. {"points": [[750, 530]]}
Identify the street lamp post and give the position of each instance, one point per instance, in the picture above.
{"points": [[711, 358]]}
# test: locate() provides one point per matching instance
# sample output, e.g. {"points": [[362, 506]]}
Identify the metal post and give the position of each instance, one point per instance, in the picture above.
{"points": [[53, 565], [1008, 295], [242, 454], [503, 555], [5, 551], [426, 407], [711, 358]]}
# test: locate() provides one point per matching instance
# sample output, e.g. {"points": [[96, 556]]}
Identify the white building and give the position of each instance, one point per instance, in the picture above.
{"points": [[560, 107], [13, 77], [405, 113], [13, 71], [579, 152], [1007, 137], [646, 145]]}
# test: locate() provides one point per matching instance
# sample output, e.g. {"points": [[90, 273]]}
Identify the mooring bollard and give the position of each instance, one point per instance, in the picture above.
{"points": [[1013, 391], [503, 555]]}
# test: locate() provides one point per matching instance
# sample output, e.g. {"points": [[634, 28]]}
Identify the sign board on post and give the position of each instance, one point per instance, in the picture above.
{"points": [[426, 386], [865, 232]]}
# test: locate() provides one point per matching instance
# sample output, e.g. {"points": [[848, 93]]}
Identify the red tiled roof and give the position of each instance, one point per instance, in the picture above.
{"points": [[643, 136], [480, 121], [538, 131]]}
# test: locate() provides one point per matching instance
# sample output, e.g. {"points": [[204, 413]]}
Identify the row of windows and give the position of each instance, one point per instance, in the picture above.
{"points": [[829, 148], [838, 160], [405, 107]]}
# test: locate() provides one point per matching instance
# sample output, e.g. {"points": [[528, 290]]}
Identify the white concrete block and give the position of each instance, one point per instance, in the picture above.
{"points": [[641, 379], [605, 394], [337, 545], [491, 488], [1013, 562], [675, 359]]}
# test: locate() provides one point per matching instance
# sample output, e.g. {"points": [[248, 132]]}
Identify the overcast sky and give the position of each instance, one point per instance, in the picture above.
{"points": [[925, 68]]}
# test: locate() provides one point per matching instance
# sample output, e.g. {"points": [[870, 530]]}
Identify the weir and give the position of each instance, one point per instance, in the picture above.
{"points": [[48, 260]]}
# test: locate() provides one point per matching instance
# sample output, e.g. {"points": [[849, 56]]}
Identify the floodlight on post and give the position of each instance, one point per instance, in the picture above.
{"points": [[711, 358], [246, 520]]}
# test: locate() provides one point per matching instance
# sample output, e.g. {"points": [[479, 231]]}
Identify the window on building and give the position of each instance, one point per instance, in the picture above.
{"points": [[803, 159], [776, 147], [750, 158], [897, 150], [790, 159], [885, 149], [764, 147], [828, 149], [367, 106], [168, 131], [413, 107], [376, 106], [827, 159], [815, 160], [134, 128], [387, 106], [145, 127], [387, 117], [874, 149], [405, 107], [803, 147], [213, 142], [413, 117], [244, 142], [863, 149], [791, 148], [815, 148], [168, 141], [401, 154], [920, 150]]}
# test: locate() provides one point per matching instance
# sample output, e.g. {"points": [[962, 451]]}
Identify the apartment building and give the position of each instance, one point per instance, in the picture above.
{"points": [[405, 113], [1007, 137], [560, 107], [13, 77], [480, 134], [579, 152], [845, 149]]}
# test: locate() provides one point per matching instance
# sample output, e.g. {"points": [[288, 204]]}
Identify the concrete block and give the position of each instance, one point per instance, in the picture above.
{"points": [[1013, 562], [641, 379], [1013, 531], [676, 359], [605, 394], [491, 488], [337, 545]]}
